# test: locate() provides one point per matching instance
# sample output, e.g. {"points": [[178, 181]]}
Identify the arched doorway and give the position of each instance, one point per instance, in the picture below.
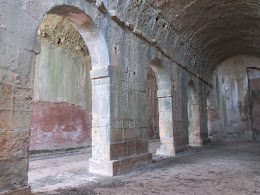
{"points": [[17, 120], [164, 95], [61, 109], [61, 117]]}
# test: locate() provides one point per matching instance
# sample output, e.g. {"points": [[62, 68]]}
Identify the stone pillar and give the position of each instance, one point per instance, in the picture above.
{"points": [[15, 114], [195, 128], [117, 146], [204, 115], [100, 161], [198, 135], [165, 124]]}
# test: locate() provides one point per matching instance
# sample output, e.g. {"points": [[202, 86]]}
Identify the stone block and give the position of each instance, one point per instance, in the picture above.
{"points": [[131, 148], [128, 123], [21, 120], [23, 99], [6, 96], [13, 174], [101, 167], [166, 151], [164, 93], [165, 104], [100, 122], [117, 123], [131, 134], [14, 144], [20, 64], [118, 150], [22, 33], [122, 165], [100, 81], [101, 135], [6, 119], [101, 152], [6, 76], [101, 72], [142, 146], [144, 133], [101, 101], [21, 191], [116, 135], [25, 69]]}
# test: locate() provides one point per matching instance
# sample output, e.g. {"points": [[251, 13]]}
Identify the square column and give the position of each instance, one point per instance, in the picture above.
{"points": [[118, 144], [165, 124], [198, 135]]}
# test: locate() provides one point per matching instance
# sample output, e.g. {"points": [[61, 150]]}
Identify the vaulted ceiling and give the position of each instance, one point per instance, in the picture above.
{"points": [[215, 29]]}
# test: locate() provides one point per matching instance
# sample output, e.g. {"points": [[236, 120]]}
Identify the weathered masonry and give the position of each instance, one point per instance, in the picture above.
{"points": [[113, 74]]}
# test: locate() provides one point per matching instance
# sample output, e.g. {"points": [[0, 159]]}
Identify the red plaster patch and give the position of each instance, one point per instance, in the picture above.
{"points": [[59, 125]]}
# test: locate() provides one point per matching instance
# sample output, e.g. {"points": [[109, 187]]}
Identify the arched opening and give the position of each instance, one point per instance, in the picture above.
{"points": [[164, 95], [71, 45], [61, 117], [153, 111], [61, 108]]}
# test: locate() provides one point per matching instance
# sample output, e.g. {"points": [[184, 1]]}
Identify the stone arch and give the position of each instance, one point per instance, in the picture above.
{"points": [[164, 95], [100, 63], [23, 32], [94, 39]]}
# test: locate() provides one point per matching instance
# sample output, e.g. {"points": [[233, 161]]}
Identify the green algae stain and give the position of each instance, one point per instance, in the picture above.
{"points": [[64, 77]]}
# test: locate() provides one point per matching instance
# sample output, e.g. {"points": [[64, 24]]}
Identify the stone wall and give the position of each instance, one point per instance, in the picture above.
{"points": [[121, 56], [229, 109], [254, 93], [61, 115]]}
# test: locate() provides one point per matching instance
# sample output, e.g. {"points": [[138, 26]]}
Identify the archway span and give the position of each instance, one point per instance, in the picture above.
{"points": [[164, 95], [94, 39], [101, 99]]}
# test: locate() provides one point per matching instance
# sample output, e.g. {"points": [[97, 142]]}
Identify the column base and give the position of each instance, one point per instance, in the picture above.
{"points": [[22, 191], [165, 152], [182, 149], [114, 167], [200, 142], [171, 152]]}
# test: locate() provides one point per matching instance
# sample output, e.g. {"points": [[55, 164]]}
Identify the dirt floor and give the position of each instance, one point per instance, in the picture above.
{"points": [[218, 168]]}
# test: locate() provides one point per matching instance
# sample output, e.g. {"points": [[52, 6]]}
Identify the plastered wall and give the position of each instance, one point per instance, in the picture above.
{"points": [[61, 117], [229, 110]]}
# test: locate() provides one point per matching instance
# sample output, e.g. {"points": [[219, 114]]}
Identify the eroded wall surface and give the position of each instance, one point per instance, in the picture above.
{"points": [[153, 106], [61, 117], [229, 111], [254, 92]]}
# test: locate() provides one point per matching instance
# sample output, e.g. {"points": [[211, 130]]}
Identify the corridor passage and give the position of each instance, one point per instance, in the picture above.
{"points": [[218, 168]]}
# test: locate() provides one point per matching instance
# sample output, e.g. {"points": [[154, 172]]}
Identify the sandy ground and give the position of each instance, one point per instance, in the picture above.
{"points": [[218, 168]]}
